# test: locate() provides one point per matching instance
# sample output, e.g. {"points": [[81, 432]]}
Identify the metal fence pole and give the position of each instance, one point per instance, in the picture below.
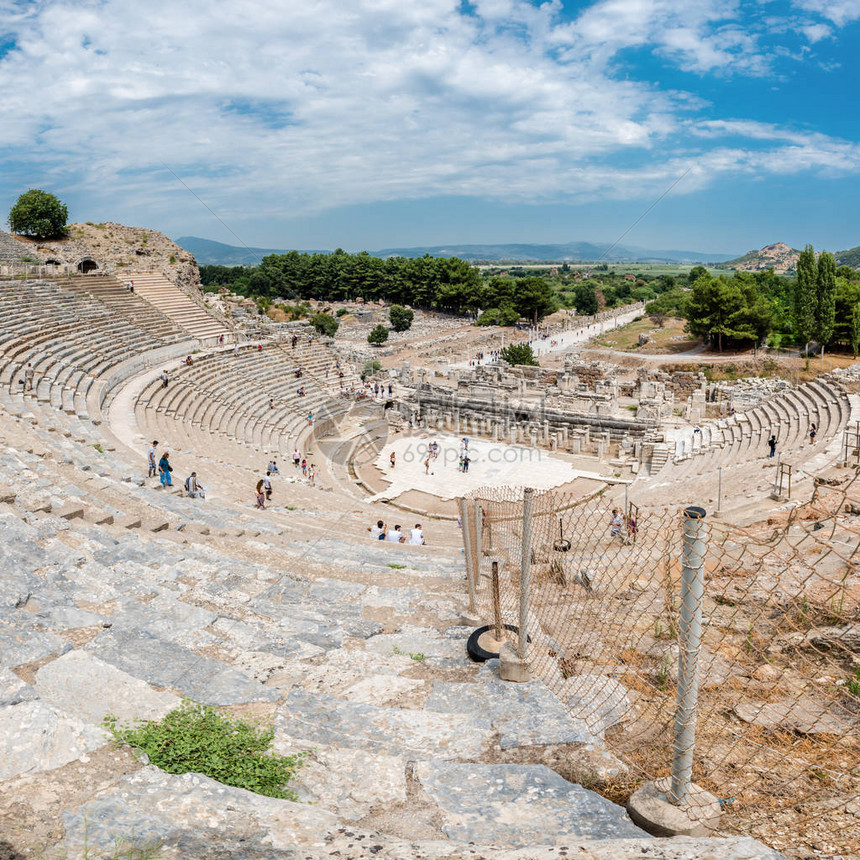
{"points": [[467, 549], [478, 536], [525, 572], [690, 635]]}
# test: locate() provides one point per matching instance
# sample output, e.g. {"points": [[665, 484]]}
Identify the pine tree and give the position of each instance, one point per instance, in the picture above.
{"points": [[825, 299], [805, 293]]}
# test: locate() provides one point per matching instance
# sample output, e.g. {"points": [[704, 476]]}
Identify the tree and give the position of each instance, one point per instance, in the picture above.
{"points": [[518, 353], [325, 324], [803, 299], [584, 299], [825, 299], [658, 316], [401, 318], [38, 213], [697, 272], [855, 329], [534, 298], [378, 335]]}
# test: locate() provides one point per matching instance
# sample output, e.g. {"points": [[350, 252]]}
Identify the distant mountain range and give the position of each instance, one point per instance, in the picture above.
{"points": [[208, 252]]}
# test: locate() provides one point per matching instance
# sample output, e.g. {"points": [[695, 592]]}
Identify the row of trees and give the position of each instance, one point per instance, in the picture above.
{"points": [[438, 283]]}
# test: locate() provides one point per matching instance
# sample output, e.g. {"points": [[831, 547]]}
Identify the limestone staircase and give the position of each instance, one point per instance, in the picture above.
{"points": [[352, 648], [174, 303]]}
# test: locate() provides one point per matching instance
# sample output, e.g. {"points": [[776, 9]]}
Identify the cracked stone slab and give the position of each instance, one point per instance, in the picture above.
{"points": [[25, 645], [190, 815], [36, 737], [389, 731], [349, 782], [167, 618], [88, 688], [805, 716], [166, 664], [523, 714], [14, 690], [519, 805]]}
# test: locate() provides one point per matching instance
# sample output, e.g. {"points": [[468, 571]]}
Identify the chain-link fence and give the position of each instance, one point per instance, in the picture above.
{"points": [[762, 663]]}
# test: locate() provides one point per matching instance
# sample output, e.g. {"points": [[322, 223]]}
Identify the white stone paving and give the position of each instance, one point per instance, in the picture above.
{"points": [[492, 464]]}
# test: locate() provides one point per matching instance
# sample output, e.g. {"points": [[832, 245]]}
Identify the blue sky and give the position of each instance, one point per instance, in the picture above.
{"points": [[382, 123]]}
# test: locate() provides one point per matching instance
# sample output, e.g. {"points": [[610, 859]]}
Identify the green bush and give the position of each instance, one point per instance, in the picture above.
{"points": [[341, 312], [38, 213], [401, 318], [325, 324], [372, 366], [378, 335], [504, 315], [196, 738], [518, 353]]}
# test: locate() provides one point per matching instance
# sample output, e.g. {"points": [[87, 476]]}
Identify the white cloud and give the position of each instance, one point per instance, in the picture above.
{"points": [[285, 107], [840, 12]]}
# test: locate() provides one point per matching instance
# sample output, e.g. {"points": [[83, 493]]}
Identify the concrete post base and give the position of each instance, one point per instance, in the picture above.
{"points": [[651, 810], [511, 668], [470, 619]]}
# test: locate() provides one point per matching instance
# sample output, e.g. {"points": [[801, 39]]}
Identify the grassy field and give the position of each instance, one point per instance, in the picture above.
{"points": [[669, 339]]}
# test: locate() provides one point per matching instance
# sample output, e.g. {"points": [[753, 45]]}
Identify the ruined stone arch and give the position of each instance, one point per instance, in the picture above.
{"points": [[87, 264]]}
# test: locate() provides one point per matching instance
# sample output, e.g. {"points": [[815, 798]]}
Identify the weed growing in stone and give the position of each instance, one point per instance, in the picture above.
{"points": [[397, 566], [197, 738]]}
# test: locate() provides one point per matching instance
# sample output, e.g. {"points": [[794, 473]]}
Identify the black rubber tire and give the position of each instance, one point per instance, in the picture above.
{"points": [[474, 649]]}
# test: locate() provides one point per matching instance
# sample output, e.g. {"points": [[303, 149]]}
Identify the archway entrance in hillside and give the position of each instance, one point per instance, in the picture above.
{"points": [[87, 265]]}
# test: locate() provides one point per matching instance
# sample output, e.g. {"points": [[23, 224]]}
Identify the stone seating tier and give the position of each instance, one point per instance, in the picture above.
{"points": [[231, 608]]}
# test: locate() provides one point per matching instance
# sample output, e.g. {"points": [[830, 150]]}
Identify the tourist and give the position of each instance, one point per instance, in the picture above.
{"points": [[615, 524], [294, 341], [221, 340], [416, 535], [312, 475], [273, 467], [310, 417], [189, 361], [267, 485], [261, 496], [164, 470], [29, 373], [812, 432], [466, 461], [772, 445], [194, 488], [377, 532], [392, 459], [297, 457], [153, 463], [304, 468], [236, 349], [271, 403], [427, 465], [396, 536], [164, 379]]}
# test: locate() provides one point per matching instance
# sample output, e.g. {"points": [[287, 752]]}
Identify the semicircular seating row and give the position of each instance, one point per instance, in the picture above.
{"points": [[743, 437], [74, 333], [226, 396]]}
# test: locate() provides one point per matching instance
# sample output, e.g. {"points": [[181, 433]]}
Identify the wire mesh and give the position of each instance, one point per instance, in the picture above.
{"points": [[778, 705]]}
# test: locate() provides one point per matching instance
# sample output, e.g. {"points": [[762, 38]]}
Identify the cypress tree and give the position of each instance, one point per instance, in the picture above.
{"points": [[805, 294], [825, 299]]}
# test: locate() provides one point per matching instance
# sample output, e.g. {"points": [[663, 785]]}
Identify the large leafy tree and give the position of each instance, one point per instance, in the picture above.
{"points": [[38, 213], [722, 310], [534, 298], [585, 299], [804, 297], [825, 299]]}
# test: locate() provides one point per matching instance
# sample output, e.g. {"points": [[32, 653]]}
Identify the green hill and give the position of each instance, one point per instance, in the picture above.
{"points": [[851, 257]]}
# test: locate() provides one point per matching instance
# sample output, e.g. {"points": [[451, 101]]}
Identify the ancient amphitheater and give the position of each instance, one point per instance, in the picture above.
{"points": [[122, 597]]}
